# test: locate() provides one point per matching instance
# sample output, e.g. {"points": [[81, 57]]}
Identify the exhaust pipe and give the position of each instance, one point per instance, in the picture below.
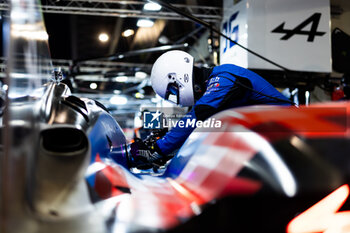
{"points": [[58, 189]]}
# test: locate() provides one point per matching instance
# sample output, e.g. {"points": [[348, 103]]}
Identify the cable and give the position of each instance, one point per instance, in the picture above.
{"points": [[208, 25]]}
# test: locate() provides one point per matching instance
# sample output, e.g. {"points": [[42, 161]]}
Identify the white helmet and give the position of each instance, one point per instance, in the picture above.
{"points": [[172, 78]]}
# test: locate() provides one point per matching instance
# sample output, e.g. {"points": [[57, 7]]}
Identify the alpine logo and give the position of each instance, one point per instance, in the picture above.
{"points": [[314, 20]]}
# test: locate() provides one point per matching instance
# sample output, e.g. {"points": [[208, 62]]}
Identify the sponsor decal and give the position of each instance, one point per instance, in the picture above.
{"points": [[213, 80], [231, 30]]}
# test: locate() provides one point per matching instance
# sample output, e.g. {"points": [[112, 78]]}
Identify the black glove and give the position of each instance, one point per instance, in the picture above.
{"points": [[143, 156], [151, 140]]}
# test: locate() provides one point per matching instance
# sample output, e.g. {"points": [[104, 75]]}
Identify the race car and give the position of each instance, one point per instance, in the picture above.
{"points": [[265, 165]]}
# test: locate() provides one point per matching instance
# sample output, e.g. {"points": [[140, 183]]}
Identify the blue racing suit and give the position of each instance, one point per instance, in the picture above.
{"points": [[226, 88]]}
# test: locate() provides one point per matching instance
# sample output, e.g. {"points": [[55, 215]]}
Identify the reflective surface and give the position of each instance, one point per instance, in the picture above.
{"points": [[28, 68], [29, 61]]}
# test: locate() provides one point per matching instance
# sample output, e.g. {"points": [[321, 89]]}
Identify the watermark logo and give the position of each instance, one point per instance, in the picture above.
{"points": [[210, 123], [152, 120], [159, 120]]}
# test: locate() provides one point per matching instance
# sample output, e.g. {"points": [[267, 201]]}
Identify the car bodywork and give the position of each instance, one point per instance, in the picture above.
{"points": [[265, 165]]}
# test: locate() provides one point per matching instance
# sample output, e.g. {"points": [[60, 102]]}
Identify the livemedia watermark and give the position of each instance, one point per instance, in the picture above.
{"points": [[158, 120], [273, 120]]}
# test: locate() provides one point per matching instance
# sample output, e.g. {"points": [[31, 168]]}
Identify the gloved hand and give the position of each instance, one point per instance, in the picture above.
{"points": [[151, 139], [142, 156]]}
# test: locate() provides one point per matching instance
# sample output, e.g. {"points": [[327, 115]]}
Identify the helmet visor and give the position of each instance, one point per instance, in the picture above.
{"points": [[172, 93]]}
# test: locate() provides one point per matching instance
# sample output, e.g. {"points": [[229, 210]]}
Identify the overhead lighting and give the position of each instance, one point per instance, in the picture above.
{"points": [[92, 78], [38, 35], [118, 100], [139, 95], [152, 6], [93, 86], [163, 40], [144, 23], [19, 16], [140, 75], [216, 43], [121, 79], [128, 32], [103, 37], [29, 32]]}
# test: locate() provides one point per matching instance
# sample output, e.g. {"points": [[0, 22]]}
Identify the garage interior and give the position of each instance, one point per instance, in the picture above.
{"points": [[119, 68], [105, 50]]}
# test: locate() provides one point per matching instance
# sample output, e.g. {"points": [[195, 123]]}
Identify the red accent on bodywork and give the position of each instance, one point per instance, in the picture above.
{"points": [[108, 179], [230, 140], [280, 122], [104, 188], [241, 186]]}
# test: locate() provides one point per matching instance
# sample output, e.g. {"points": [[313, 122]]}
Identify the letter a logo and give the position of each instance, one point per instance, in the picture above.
{"points": [[298, 30]]}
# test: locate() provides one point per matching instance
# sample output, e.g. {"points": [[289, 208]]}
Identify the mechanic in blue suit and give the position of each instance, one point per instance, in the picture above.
{"points": [[209, 91]]}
